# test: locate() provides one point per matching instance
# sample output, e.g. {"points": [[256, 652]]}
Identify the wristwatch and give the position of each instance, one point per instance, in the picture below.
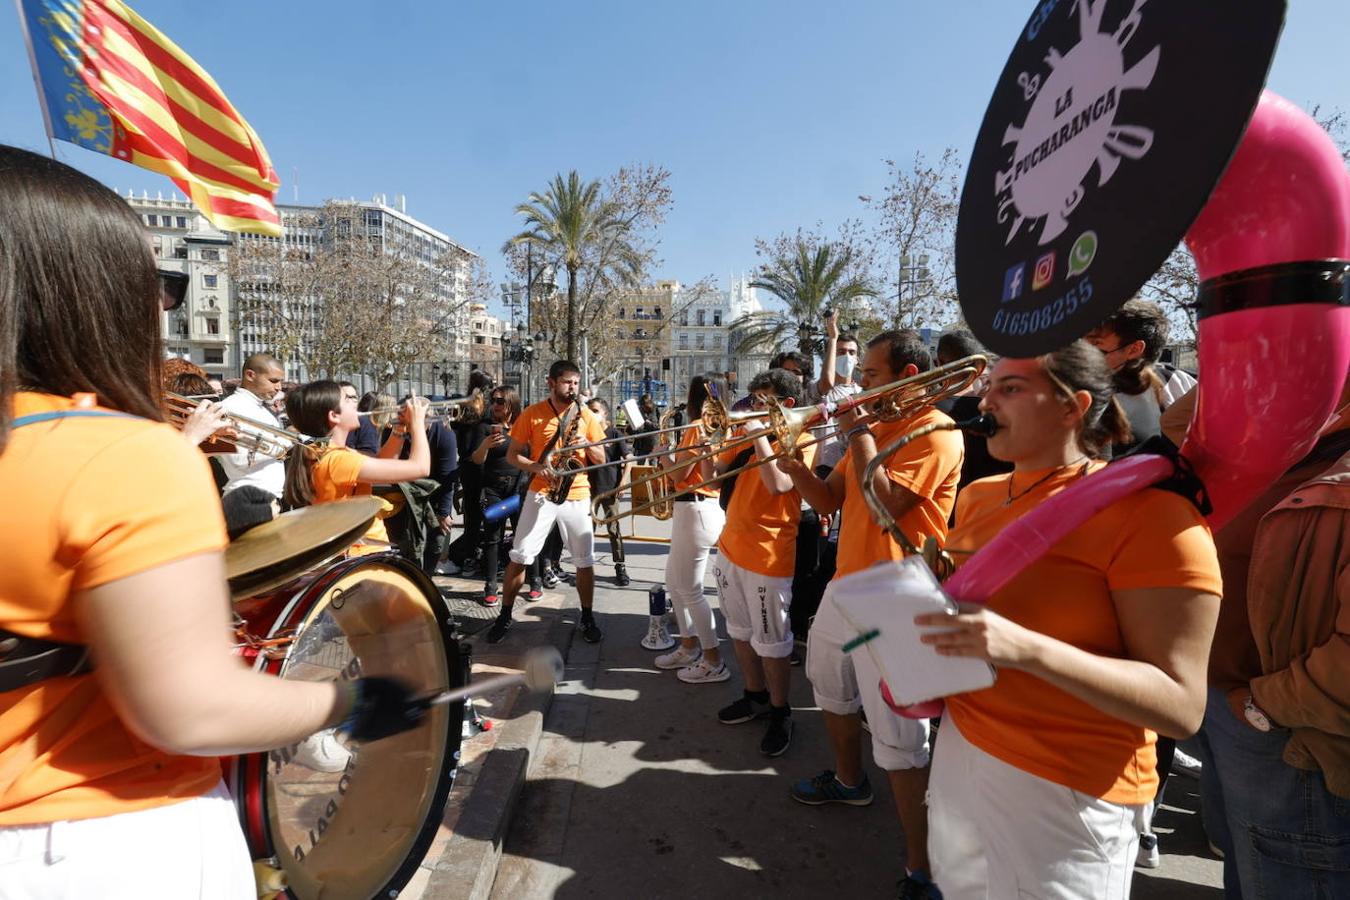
{"points": [[1256, 716]]}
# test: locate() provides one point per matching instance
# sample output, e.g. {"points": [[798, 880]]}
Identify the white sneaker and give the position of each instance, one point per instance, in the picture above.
{"points": [[1185, 764], [322, 752], [678, 658], [658, 638], [1148, 857], [704, 672]]}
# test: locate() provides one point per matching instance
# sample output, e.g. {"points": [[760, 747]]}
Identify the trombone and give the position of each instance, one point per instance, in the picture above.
{"points": [[888, 403], [250, 434], [461, 409], [939, 561]]}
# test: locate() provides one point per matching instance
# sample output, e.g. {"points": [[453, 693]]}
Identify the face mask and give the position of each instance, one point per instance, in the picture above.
{"points": [[843, 365]]}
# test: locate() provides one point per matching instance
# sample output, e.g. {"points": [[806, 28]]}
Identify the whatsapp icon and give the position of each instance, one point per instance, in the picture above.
{"points": [[1083, 253]]}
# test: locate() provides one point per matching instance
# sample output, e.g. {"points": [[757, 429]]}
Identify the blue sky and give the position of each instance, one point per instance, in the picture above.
{"points": [[769, 113]]}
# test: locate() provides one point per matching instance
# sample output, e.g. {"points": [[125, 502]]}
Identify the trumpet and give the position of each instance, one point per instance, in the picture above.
{"points": [[938, 560], [461, 409], [890, 402], [250, 434]]}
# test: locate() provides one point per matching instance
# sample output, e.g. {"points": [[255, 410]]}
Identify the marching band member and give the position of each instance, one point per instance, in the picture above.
{"points": [[1040, 780], [117, 555], [534, 436], [757, 557], [918, 485], [696, 523], [262, 379]]}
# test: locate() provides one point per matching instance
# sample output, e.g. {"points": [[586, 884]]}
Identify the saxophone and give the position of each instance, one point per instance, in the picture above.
{"points": [[659, 494], [564, 459]]}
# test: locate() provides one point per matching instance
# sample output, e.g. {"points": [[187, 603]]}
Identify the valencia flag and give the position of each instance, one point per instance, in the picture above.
{"points": [[113, 83]]}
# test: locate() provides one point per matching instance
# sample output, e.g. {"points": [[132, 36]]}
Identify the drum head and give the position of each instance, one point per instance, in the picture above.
{"points": [[1109, 128], [348, 821]]}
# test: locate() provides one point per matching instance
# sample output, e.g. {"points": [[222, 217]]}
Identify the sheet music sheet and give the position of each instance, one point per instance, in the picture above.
{"points": [[885, 599]]}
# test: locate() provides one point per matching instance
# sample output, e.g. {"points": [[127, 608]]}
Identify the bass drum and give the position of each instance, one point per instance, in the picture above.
{"points": [[347, 821]]}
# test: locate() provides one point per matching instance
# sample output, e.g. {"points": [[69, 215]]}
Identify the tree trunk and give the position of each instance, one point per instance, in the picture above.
{"points": [[571, 342]]}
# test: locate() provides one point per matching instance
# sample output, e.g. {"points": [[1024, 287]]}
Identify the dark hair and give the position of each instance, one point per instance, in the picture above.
{"points": [[1138, 320], [782, 382], [700, 386], [481, 379], [600, 402], [245, 507], [229, 386], [803, 362], [957, 344], [369, 400], [846, 337], [512, 399], [346, 384], [189, 384], [261, 362], [647, 405], [905, 347], [1082, 367], [80, 303], [307, 408], [563, 367]]}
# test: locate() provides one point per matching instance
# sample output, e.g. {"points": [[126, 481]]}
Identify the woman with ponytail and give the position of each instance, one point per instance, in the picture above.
{"points": [[328, 471], [1038, 782]]}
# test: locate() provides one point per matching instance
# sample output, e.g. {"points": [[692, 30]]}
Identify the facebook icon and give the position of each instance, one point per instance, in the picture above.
{"points": [[1012, 282]]}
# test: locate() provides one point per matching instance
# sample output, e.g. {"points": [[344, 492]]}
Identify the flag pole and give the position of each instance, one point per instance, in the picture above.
{"points": [[37, 79]]}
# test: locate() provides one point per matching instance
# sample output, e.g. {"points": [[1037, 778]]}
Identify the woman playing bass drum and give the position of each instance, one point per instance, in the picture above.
{"points": [[1100, 646], [110, 777]]}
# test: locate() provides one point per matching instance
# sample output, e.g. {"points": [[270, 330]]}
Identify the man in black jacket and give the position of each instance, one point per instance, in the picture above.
{"points": [[608, 479]]}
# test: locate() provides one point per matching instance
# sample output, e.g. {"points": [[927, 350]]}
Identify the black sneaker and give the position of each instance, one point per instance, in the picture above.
{"points": [[549, 579], [591, 631], [500, 627], [796, 657], [917, 886], [743, 710], [621, 576], [777, 736]]}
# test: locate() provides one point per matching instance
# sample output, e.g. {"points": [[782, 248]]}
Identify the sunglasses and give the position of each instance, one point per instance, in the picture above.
{"points": [[498, 401], [173, 287]]}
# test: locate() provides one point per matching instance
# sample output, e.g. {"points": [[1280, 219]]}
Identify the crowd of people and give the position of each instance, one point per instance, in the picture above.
{"points": [[1109, 650]]}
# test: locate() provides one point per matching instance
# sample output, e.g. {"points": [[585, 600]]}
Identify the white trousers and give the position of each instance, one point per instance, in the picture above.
{"points": [[695, 528], [191, 849], [843, 683], [995, 831], [756, 608], [537, 518]]}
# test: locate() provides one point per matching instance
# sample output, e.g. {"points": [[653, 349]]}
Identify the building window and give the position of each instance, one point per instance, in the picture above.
{"points": [[637, 313], [182, 221], [154, 242], [210, 253], [213, 355], [213, 325], [698, 341], [209, 280], [180, 252], [620, 312], [684, 341], [717, 317], [717, 341], [701, 320]]}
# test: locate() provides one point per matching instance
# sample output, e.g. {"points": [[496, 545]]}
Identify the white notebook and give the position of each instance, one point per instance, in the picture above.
{"points": [[882, 601]]}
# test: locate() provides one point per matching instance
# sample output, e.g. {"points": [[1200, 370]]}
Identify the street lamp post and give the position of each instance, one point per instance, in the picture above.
{"points": [[913, 273]]}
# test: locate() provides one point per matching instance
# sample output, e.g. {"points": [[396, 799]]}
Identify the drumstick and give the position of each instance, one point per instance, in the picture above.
{"points": [[543, 669]]}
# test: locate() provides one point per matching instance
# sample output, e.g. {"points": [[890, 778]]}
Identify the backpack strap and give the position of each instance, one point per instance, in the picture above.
{"points": [[36, 418]]}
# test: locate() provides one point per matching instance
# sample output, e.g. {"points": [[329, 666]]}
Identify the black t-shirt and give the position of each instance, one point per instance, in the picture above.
{"points": [[495, 468], [607, 479], [978, 463]]}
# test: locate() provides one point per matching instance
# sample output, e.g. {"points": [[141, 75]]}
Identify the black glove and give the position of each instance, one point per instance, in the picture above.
{"points": [[383, 707]]}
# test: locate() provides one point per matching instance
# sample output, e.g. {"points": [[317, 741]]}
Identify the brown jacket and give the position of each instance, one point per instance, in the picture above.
{"points": [[1298, 601]]}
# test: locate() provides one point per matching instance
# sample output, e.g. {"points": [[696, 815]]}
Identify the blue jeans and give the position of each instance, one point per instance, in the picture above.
{"points": [[1282, 833]]}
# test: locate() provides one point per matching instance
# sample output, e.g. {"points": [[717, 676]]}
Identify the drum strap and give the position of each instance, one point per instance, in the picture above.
{"points": [[25, 660]]}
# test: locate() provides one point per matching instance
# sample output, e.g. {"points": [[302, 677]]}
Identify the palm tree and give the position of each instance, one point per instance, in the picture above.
{"points": [[808, 277], [573, 223]]}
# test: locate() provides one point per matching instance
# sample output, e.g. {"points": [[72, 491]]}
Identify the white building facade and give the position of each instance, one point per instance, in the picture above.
{"points": [[702, 338]]}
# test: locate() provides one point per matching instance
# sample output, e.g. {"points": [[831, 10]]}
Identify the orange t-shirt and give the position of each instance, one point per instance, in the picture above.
{"points": [[90, 501], [534, 429], [1152, 539], [929, 466], [692, 435], [760, 534], [336, 477]]}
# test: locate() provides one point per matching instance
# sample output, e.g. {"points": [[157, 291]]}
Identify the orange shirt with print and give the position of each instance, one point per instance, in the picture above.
{"points": [[535, 428], [929, 466], [1152, 539], [90, 501], [693, 434], [760, 534], [336, 477]]}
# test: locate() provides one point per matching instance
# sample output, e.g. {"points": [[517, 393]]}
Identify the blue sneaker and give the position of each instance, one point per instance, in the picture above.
{"points": [[825, 788]]}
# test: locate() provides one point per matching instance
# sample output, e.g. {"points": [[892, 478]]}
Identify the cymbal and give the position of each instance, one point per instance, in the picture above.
{"points": [[276, 552]]}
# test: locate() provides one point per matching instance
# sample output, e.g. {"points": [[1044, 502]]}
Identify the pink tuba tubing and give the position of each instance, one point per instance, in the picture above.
{"points": [[1274, 343]]}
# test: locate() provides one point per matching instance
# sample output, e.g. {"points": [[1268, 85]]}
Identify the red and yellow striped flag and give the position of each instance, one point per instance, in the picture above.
{"points": [[112, 82]]}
